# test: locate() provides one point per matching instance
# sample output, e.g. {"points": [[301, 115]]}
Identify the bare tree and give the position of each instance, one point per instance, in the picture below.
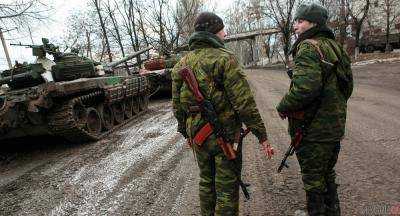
{"points": [[132, 21], [338, 11], [358, 13], [141, 21], [116, 33], [236, 17], [82, 27], [103, 27], [159, 27], [162, 27], [128, 16], [391, 11], [281, 14], [21, 13], [342, 22], [184, 17]]}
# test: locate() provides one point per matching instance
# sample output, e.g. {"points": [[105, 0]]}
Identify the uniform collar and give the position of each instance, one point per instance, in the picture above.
{"points": [[317, 31], [204, 39]]}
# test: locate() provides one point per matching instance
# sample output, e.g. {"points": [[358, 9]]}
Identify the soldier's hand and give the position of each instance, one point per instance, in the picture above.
{"points": [[268, 149], [189, 143]]}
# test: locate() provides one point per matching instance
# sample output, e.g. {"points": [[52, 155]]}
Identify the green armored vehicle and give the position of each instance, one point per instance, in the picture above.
{"points": [[71, 97]]}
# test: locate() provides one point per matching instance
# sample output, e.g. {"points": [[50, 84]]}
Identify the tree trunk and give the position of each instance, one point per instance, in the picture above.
{"points": [[387, 47], [103, 28], [342, 26], [143, 30], [103, 48], [89, 46], [118, 35], [135, 40]]}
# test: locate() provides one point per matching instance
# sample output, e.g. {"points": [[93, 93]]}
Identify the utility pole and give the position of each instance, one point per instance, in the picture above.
{"points": [[5, 49]]}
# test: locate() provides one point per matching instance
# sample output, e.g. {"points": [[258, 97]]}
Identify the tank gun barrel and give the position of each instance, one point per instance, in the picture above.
{"points": [[128, 57], [24, 45]]}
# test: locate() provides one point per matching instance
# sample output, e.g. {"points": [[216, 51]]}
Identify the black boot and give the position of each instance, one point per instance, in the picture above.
{"points": [[332, 200], [315, 204]]}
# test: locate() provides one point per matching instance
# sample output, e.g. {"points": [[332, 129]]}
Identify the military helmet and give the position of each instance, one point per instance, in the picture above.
{"points": [[313, 12]]}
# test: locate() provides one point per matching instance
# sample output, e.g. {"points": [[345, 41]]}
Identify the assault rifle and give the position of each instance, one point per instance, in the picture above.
{"points": [[296, 140], [300, 131], [290, 151], [208, 112]]}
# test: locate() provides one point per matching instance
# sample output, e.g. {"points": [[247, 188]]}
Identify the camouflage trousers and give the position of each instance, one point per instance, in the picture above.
{"points": [[317, 161], [218, 185]]}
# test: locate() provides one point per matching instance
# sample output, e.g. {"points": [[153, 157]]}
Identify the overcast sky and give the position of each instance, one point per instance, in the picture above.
{"points": [[56, 28]]}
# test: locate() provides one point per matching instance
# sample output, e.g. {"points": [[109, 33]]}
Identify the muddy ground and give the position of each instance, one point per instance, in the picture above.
{"points": [[145, 168]]}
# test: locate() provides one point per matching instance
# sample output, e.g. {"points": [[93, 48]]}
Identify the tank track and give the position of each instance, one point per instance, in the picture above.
{"points": [[63, 124]]}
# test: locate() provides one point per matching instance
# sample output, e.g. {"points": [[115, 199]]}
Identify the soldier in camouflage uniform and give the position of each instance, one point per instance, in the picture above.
{"points": [[315, 90], [222, 81]]}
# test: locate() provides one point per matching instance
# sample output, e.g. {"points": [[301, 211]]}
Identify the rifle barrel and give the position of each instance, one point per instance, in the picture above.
{"points": [[288, 153]]}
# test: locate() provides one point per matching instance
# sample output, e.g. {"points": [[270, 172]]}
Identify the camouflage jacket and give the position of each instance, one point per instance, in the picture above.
{"points": [[222, 81], [312, 82]]}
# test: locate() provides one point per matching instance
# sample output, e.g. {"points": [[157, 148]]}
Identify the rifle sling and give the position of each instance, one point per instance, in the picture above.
{"points": [[307, 121]]}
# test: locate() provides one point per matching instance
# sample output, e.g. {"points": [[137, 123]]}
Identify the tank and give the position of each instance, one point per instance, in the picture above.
{"points": [[71, 96], [158, 72]]}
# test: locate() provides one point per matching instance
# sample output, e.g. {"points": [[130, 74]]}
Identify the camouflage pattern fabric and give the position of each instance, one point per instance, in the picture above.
{"points": [[315, 90], [218, 185], [329, 122], [317, 161], [222, 81]]}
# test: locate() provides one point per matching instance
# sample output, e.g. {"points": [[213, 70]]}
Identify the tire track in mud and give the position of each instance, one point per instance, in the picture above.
{"points": [[145, 168], [140, 146], [43, 183], [67, 176]]}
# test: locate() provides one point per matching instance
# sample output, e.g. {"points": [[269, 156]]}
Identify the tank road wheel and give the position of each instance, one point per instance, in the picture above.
{"points": [[93, 121], [79, 114], [128, 108], [71, 120], [135, 105], [144, 101], [108, 118], [118, 111]]}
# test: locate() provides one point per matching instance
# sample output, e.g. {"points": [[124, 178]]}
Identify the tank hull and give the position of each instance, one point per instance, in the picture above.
{"points": [[80, 110]]}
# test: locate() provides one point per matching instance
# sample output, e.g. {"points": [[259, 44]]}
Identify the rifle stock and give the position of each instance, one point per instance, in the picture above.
{"points": [[208, 111], [189, 78]]}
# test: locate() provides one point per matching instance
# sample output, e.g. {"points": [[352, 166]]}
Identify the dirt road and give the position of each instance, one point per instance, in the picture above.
{"points": [[146, 169]]}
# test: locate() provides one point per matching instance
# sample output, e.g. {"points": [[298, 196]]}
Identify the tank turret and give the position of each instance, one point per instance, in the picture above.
{"points": [[70, 96], [64, 67]]}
